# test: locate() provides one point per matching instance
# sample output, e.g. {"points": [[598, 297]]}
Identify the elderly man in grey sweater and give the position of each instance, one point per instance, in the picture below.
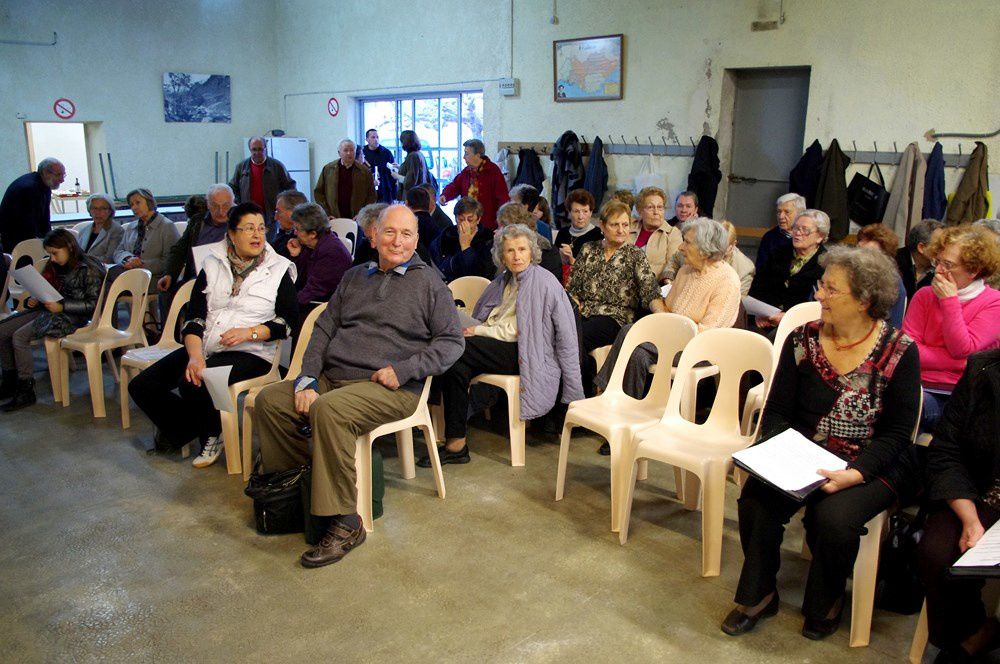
{"points": [[388, 326]]}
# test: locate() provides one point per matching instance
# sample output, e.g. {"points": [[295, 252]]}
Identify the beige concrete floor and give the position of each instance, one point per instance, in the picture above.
{"points": [[111, 554]]}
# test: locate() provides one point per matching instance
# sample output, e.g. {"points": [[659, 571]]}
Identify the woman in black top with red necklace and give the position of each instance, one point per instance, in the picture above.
{"points": [[851, 383]]}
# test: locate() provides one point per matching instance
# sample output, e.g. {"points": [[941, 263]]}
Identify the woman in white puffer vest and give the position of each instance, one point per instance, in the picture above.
{"points": [[242, 304]]}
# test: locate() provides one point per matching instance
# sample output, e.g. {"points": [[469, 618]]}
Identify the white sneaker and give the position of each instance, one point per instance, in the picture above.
{"points": [[210, 452]]}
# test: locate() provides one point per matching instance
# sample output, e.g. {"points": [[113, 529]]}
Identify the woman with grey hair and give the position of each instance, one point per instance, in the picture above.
{"points": [[545, 352], [514, 213], [364, 252], [850, 383], [102, 236], [706, 290], [320, 258], [789, 275]]}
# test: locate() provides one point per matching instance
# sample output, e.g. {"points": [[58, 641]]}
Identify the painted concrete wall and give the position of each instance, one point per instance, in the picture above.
{"points": [[110, 59], [884, 72]]}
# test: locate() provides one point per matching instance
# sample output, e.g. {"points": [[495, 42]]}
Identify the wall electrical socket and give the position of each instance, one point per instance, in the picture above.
{"points": [[510, 87]]}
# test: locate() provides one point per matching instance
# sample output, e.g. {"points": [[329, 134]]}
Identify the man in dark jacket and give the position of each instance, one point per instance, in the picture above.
{"points": [[438, 215], [419, 201], [205, 230], [345, 185], [285, 231], [260, 178], [24, 210], [465, 249]]}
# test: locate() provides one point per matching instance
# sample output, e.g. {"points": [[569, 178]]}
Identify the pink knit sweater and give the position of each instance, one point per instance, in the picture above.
{"points": [[948, 331]]}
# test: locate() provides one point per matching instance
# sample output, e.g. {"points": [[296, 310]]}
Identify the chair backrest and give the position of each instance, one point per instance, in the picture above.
{"points": [[346, 229], [670, 333], [734, 352], [468, 290], [181, 297], [31, 248], [295, 366], [133, 283], [797, 316], [181, 226], [95, 316], [82, 226], [76, 233]]}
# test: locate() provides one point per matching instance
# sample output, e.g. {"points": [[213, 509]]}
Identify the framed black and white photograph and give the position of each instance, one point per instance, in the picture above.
{"points": [[588, 68], [197, 98]]}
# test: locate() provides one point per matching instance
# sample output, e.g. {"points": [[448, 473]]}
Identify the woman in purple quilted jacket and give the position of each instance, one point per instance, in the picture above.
{"points": [[526, 328]]}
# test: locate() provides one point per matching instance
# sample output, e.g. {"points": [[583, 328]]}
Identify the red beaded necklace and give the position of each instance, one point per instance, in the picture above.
{"points": [[859, 341]]}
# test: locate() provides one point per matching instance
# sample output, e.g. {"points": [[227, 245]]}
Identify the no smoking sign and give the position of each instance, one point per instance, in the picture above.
{"points": [[64, 108], [333, 107]]}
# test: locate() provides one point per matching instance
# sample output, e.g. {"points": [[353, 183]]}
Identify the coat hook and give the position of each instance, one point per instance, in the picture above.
{"points": [[624, 142], [855, 144], [610, 140], [583, 139], [677, 142], [692, 142], [664, 139], [650, 139], [894, 148], [876, 151], [637, 141], [959, 150]]}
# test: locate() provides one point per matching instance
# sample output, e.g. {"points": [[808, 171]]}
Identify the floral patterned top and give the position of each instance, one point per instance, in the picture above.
{"points": [[865, 416], [614, 287]]}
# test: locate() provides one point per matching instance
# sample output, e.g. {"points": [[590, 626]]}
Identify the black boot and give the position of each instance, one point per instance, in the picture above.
{"points": [[24, 397], [9, 387]]}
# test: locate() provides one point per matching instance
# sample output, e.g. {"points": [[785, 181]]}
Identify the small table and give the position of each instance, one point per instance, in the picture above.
{"points": [[59, 200]]}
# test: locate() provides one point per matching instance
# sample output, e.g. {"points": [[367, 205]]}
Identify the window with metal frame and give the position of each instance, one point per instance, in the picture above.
{"points": [[443, 121]]}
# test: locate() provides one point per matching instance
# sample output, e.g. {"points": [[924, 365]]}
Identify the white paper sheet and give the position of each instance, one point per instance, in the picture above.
{"points": [[216, 379], [665, 289], [755, 307], [986, 552], [36, 284], [199, 254], [789, 460]]}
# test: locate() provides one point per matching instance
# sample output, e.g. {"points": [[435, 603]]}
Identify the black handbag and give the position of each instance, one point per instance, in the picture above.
{"points": [[898, 587], [277, 500], [867, 199]]}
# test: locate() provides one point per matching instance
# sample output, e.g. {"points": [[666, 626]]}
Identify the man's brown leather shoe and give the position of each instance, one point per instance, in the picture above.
{"points": [[337, 543]]}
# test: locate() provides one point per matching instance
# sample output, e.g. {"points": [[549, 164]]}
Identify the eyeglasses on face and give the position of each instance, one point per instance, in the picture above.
{"points": [[251, 230], [830, 292], [802, 230]]}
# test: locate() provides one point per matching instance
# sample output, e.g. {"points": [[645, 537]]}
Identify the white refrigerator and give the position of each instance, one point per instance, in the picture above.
{"points": [[294, 154]]}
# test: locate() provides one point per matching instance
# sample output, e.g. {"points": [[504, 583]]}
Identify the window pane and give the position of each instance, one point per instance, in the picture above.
{"points": [[472, 116], [449, 122], [427, 121], [449, 165], [381, 115], [405, 114]]}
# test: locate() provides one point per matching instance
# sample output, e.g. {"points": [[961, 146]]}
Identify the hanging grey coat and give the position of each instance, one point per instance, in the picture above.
{"points": [[906, 201], [969, 202], [567, 174], [529, 169], [705, 175], [831, 191], [596, 180]]}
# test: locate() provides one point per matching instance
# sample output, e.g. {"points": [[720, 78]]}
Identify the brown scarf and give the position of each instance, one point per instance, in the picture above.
{"points": [[241, 267]]}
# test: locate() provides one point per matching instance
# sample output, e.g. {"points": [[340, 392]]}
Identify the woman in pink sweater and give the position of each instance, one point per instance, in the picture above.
{"points": [[957, 315]]}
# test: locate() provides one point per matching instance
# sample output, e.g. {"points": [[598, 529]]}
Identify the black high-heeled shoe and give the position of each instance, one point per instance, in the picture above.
{"points": [[738, 622]]}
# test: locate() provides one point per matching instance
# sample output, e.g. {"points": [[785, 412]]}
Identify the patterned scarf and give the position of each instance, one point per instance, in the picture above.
{"points": [[241, 267], [140, 235]]}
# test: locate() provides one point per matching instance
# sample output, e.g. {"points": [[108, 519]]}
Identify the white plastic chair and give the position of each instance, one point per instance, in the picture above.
{"points": [[511, 385], [137, 359], [294, 369], [231, 420], [33, 250], [600, 355], [82, 226], [617, 416], [347, 231], [103, 336], [403, 429], [468, 290], [797, 316], [181, 226], [703, 450]]}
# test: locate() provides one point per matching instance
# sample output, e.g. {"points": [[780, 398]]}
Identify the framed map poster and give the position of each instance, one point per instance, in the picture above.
{"points": [[588, 69]]}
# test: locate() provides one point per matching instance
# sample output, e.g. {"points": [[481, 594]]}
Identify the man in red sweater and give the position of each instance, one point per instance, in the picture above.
{"points": [[481, 180]]}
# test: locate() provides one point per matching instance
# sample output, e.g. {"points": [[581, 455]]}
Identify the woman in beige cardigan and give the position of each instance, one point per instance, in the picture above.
{"points": [[652, 233]]}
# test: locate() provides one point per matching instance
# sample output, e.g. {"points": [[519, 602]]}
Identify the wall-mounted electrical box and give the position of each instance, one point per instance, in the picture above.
{"points": [[510, 87]]}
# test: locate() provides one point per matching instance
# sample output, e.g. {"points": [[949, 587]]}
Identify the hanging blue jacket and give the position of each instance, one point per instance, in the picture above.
{"points": [[935, 201]]}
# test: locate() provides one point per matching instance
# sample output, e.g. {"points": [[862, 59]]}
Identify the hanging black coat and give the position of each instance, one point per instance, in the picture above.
{"points": [[804, 178], [831, 194], [529, 169], [567, 174], [596, 180], [705, 174], [935, 201]]}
